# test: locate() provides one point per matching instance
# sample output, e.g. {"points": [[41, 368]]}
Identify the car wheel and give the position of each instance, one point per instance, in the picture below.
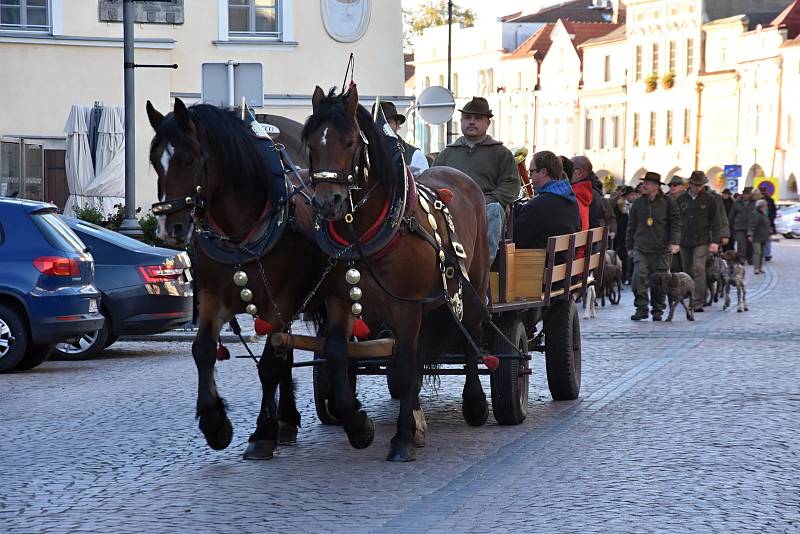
{"points": [[13, 338], [111, 339], [36, 356], [84, 347]]}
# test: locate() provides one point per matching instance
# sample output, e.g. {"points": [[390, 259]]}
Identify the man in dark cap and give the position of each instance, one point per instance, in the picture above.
{"points": [[490, 164], [654, 232], [772, 212], [413, 156], [740, 219], [677, 187], [700, 236], [727, 203]]}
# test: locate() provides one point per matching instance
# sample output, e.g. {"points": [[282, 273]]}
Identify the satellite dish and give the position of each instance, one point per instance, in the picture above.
{"points": [[436, 105]]}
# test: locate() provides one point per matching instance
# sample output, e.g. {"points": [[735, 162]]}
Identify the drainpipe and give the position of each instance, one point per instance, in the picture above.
{"points": [[780, 113], [699, 88], [625, 126]]}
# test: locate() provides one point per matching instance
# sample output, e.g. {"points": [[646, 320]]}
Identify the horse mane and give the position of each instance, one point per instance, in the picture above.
{"points": [[231, 144], [332, 109]]}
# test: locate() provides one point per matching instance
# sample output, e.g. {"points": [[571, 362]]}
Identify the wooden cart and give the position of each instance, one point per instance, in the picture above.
{"points": [[529, 287]]}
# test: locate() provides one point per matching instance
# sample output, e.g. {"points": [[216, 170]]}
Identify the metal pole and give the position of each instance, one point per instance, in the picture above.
{"points": [[449, 64], [130, 225]]}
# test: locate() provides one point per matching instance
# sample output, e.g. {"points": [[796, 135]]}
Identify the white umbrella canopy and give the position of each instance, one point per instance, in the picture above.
{"points": [[80, 171], [108, 185]]}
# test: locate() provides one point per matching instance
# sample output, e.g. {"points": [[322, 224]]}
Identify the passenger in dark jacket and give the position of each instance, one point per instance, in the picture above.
{"points": [[701, 227], [772, 212], [554, 209], [654, 232]]}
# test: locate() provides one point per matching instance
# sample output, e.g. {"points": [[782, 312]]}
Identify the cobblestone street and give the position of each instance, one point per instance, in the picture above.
{"points": [[679, 427]]}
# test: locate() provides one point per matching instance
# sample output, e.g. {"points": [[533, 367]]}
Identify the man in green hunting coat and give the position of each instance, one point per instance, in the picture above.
{"points": [[488, 162], [654, 234]]}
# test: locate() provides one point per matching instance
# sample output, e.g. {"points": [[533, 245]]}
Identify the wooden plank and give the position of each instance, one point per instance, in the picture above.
{"points": [[560, 271], [375, 348]]}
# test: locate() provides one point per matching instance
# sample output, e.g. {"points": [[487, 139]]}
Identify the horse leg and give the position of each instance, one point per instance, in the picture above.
{"points": [[214, 424], [288, 416], [475, 408], [408, 374], [358, 426], [261, 444]]}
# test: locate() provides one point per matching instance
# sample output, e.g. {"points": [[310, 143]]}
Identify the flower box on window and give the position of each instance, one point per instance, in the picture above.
{"points": [[668, 80], [651, 83]]}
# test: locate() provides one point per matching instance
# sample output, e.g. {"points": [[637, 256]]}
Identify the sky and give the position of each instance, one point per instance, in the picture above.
{"points": [[494, 8]]}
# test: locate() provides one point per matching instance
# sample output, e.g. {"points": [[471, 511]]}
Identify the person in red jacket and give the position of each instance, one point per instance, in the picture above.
{"points": [[594, 210]]}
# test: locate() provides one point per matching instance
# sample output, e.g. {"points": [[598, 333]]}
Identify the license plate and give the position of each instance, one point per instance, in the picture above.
{"points": [[93, 306]]}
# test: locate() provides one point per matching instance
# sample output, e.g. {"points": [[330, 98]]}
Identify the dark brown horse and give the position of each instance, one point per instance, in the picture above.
{"points": [[219, 190], [399, 278]]}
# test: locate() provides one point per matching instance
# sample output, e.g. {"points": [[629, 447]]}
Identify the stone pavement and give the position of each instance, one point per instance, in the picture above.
{"points": [[679, 427]]}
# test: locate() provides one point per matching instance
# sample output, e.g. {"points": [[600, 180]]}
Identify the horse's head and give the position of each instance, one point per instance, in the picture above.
{"points": [[337, 147], [176, 156]]}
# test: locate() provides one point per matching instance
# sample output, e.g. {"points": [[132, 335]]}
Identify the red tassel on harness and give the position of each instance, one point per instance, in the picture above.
{"points": [[360, 329], [223, 353], [491, 362], [445, 195], [262, 327]]}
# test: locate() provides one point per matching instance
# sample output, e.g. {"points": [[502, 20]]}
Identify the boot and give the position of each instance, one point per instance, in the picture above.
{"points": [[639, 315]]}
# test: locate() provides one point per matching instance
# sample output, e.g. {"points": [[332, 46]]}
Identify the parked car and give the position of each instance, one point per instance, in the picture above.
{"points": [[47, 287], [144, 289], [787, 221]]}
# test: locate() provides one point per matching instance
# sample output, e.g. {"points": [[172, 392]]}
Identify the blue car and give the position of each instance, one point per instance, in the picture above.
{"points": [[144, 289], [47, 290]]}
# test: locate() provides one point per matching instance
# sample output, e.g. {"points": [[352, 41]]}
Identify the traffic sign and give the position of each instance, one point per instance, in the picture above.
{"points": [[247, 80]]}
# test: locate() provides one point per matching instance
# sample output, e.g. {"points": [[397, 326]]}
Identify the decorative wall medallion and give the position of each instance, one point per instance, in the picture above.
{"points": [[346, 20]]}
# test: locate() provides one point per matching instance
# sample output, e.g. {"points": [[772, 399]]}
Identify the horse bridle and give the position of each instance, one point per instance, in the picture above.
{"points": [[193, 201], [349, 177]]}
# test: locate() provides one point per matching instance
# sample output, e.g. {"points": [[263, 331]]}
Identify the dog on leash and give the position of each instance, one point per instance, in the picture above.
{"points": [[590, 301], [716, 274], [678, 287], [736, 274]]}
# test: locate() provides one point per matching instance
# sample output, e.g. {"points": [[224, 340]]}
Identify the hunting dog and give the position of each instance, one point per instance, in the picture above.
{"points": [[677, 287], [716, 274], [735, 274], [610, 285]]}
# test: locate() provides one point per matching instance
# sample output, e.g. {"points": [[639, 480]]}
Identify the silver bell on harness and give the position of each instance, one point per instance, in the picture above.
{"points": [[353, 276], [355, 293], [246, 295], [240, 278], [251, 309]]}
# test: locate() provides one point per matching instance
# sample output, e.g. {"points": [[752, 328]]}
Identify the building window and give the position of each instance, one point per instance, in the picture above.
{"points": [[689, 56], [607, 69], [588, 143], [789, 132], [25, 15], [519, 81], [615, 127], [636, 129], [672, 56], [21, 169], [687, 120], [669, 126], [602, 132], [652, 128], [638, 63], [655, 58], [455, 84], [254, 18], [545, 132]]}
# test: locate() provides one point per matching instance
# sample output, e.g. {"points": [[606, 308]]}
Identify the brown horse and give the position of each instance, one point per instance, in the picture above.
{"points": [[220, 191], [370, 219]]}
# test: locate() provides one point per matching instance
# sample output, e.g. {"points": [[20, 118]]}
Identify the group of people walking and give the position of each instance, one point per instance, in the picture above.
{"points": [[679, 230]]}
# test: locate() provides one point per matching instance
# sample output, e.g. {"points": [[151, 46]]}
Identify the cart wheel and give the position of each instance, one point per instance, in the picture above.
{"points": [[509, 381], [562, 348], [322, 392]]}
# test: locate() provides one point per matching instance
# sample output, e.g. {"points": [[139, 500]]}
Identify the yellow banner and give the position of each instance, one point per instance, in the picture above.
{"points": [[770, 183]]}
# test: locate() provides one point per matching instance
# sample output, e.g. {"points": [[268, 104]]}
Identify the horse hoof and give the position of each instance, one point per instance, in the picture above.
{"points": [[475, 412], [362, 438], [287, 433], [259, 450], [402, 452], [218, 432]]}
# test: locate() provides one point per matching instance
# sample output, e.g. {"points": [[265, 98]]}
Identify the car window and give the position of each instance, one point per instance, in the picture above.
{"points": [[57, 233], [107, 235]]}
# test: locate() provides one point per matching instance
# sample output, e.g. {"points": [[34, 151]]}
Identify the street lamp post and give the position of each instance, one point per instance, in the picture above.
{"points": [[130, 225], [449, 64]]}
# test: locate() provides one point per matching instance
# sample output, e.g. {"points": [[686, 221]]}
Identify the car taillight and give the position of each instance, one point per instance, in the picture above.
{"points": [[57, 266], [153, 274]]}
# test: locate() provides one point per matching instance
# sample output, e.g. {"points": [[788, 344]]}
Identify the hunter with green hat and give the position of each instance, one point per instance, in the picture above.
{"points": [[701, 222], [488, 162]]}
